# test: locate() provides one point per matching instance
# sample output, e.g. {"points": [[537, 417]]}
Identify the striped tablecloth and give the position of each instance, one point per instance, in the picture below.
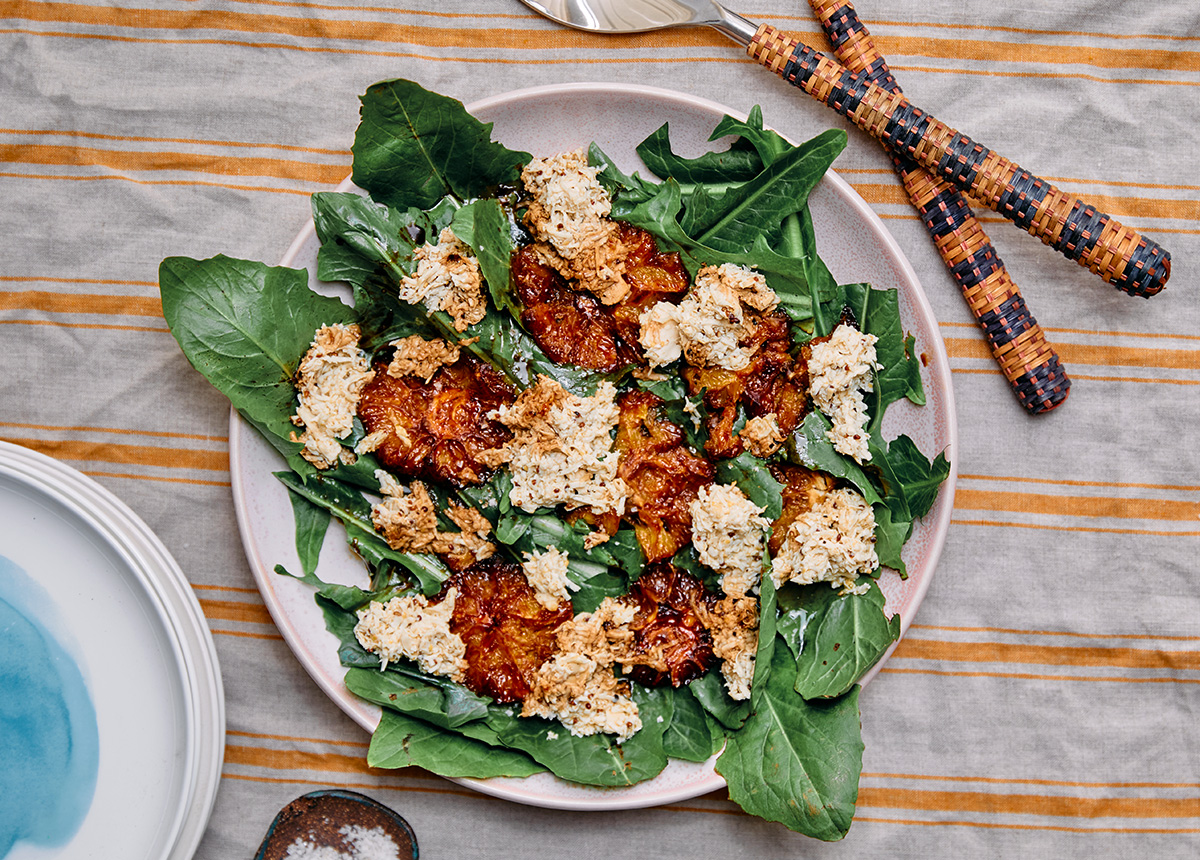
{"points": [[1044, 701]]}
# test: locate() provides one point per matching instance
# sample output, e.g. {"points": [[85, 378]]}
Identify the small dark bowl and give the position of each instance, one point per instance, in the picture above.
{"points": [[318, 816]]}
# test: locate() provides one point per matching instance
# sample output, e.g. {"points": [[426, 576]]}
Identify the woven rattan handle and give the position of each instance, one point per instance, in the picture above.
{"points": [[1119, 255], [1026, 359]]}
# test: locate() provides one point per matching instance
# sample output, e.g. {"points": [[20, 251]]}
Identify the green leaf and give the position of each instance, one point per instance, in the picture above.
{"points": [[414, 147], [403, 741], [435, 700], [312, 522], [359, 236], [692, 733], [739, 163], [245, 326], [796, 762], [810, 447], [492, 243], [753, 477], [845, 637]]}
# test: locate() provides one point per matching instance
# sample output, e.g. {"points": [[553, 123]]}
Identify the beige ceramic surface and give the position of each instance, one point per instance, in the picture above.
{"points": [[852, 241]]}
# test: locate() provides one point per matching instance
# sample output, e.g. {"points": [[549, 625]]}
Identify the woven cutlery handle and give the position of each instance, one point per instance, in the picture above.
{"points": [[1119, 255], [1017, 342]]}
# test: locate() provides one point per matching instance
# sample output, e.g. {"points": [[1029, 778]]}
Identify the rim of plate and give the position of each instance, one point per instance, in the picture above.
{"points": [[508, 788], [178, 612]]}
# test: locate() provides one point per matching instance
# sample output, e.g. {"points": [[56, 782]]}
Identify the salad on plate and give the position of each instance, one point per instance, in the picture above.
{"points": [[609, 447]]}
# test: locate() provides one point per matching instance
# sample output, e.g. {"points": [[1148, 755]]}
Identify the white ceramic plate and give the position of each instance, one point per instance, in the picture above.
{"points": [[79, 566], [851, 239]]}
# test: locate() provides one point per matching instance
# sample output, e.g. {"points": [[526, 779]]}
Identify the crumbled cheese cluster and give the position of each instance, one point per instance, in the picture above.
{"points": [[561, 451], [733, 625], [331, 379], [408, 522], [709, 326], [416, 356], [840, 370], [568, 215], [577, 686], [762, 435], [728, 534], [447, 279], [547, 575], [832, 542], [409, 627]]}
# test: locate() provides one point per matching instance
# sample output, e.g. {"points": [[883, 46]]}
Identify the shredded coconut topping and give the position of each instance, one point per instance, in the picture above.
{"points": [[408, 522], [568, 214], [331, 379], [733, 625], [832, 542], [416, 356], [447, 279], [547, 575], [577, 686], [561, 451], [410, 627], [728, 533], [840, 370], [708, 327], [762, 435]]}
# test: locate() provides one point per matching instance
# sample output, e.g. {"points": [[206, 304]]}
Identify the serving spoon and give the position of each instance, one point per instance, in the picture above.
{"points": [[1077, 229]]}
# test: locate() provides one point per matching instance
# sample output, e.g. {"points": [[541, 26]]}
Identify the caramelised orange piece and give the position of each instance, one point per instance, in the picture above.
{"points": [[802, 490], [574, 327], [670, 643], [508, 634], [774, 382], [435, 430], [662, 474]]}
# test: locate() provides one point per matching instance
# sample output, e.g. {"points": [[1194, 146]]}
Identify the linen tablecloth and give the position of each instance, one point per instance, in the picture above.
{"points": [[1043, 703]]}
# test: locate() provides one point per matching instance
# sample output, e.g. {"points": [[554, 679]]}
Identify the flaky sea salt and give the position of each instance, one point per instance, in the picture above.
{"points": [[365, 844]]}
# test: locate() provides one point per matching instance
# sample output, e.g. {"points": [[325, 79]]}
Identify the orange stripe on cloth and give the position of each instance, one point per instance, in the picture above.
{"points": [[1077, 506], [911, 648], [1062, 528], [137, 455], [221, 165], [49, 302], [1041, 805], [230, 610], [1104, 356]]}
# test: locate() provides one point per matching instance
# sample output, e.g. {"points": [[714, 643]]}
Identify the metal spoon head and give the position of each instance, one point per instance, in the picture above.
{"points": [[627, 16], [339, 820]]}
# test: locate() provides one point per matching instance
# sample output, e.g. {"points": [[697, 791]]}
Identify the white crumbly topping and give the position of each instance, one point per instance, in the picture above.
{"points": [[728, 534], [568, 214], [832, 542], [547, 575], [409, 627], [330, 381], [709, 325], [416, 356], [577, 686], [561, 451], [447, 279], [840, 370], [364, 844], [733, 625], [762, 435], [408, 522]]}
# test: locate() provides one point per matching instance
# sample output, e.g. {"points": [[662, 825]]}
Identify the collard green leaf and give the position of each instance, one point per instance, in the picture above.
{"points": [[692, 733], [414, 147], [491, 240], [796, 762], [753, 477], [810, 447], [359, 236], [245, 326], [403, 741], [845, 637], [710, 693], [312, 522], [434, 700], [739, 163]]}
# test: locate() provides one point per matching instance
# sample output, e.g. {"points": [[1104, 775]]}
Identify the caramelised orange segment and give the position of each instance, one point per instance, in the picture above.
{"points": [[508, 634], [435, 430], [662, 474], [576, 328], [774, 382], [802, 490], [670, 643]]}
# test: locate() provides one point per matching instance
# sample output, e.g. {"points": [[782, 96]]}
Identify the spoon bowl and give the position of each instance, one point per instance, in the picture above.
{"points": [[622, 16], [347, 822]]}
